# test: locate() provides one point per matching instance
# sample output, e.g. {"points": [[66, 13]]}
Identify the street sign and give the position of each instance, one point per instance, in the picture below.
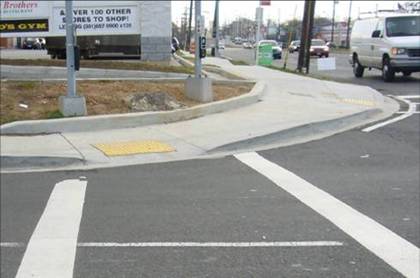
{"points": [[200, 25], [326, 63], [259, 14], [265, 2], [265, 55]]}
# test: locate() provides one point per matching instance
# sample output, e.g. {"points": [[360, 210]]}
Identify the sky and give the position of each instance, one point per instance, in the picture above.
{"points": [[283, 10]]}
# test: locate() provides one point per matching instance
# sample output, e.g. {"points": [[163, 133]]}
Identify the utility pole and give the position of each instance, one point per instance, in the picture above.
{"points": [[72, 104], [258, 17], [216, 29], [308, 42], [289, 39], [333, 21], [304, 36], [348, 27], [187, 44], [184, 28]]}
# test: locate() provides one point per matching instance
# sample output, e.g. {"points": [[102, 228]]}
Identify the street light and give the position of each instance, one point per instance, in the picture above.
{"points": [[333, 21]]}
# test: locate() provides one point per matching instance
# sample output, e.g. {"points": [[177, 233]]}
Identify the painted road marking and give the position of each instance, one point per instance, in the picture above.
{"points": [[11, 244], [411, 110], [134, 147], [387, 245], [196, 244], [362, 102], [408, 96], [403, 112], [214, 244], [52, 248]]}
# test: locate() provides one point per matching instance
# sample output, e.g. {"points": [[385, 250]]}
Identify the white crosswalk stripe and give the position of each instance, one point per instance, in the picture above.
{"points": [[384, 243]]}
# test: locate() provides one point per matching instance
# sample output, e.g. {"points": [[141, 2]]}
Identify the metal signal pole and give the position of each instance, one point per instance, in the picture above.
{"points": [[71, 104], [197, 60], [71, 73]]}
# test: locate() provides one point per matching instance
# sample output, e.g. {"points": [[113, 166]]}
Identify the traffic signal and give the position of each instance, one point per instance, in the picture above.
{"points": [[202, 41]]}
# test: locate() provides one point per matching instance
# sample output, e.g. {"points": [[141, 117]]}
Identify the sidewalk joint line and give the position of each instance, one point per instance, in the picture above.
{"points": [[74, 147]]}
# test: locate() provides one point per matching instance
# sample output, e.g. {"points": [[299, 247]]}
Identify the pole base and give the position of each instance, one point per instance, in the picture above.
{"points": [[72, 106], [199, 89]]}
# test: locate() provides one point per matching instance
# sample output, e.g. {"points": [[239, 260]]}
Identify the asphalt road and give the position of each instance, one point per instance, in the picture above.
{"points": [[343, 73], [225, 201]]}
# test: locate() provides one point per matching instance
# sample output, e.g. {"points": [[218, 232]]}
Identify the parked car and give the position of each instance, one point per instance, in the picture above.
{"points": [[175, 44], [319, 48], [221, 45], [331, 45], [276, 48], [294, 46], [247, 45], [390, 43], [34, 43], [237, 40]]}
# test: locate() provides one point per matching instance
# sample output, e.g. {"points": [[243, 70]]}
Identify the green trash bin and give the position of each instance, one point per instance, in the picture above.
{"points": [[265, 54]]}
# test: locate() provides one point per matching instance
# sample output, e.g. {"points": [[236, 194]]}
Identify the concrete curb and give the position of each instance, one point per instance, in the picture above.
{"points": [[289, 136], [295, 135], [303, 132], [46, 70], [10, 163], [118, 121]]}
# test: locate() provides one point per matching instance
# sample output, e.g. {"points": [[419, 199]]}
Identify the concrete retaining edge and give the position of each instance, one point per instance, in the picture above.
{"points": [[11, 163], [286, 137], [119, 121], [304, 133]]}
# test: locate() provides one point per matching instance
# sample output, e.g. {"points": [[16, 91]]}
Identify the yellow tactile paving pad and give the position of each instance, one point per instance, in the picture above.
{"points": [[134, 147], [359, 102]]}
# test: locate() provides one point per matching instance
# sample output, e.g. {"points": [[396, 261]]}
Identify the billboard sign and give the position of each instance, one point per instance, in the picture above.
{"points": [[265, 2], [98, 20], [24, 25], [37, 18], [24, 9]]}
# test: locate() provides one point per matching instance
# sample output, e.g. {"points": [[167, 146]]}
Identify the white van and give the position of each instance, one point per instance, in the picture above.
{"points": [[390, 43]]}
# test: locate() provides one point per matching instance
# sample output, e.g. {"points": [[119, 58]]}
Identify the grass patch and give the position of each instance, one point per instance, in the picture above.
{"points": [[225, 74], [102, 64], [239, 63], [321, 77], [340, 50], [56, 114], [102, 97], [284, 70]]}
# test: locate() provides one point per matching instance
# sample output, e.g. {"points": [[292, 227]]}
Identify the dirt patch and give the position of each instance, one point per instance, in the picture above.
{"points": [[31, 100], [140, 65]]}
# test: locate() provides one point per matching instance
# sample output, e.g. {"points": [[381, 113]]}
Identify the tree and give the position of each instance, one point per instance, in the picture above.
{"points": [[322, 21]]}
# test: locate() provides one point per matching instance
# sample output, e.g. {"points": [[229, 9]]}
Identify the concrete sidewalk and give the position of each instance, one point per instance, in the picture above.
{"points": [[293, 109]]}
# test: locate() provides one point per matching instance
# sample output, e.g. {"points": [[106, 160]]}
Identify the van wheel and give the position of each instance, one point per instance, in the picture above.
{"points": [[406, 73], [358, 69], [388, 72]]}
